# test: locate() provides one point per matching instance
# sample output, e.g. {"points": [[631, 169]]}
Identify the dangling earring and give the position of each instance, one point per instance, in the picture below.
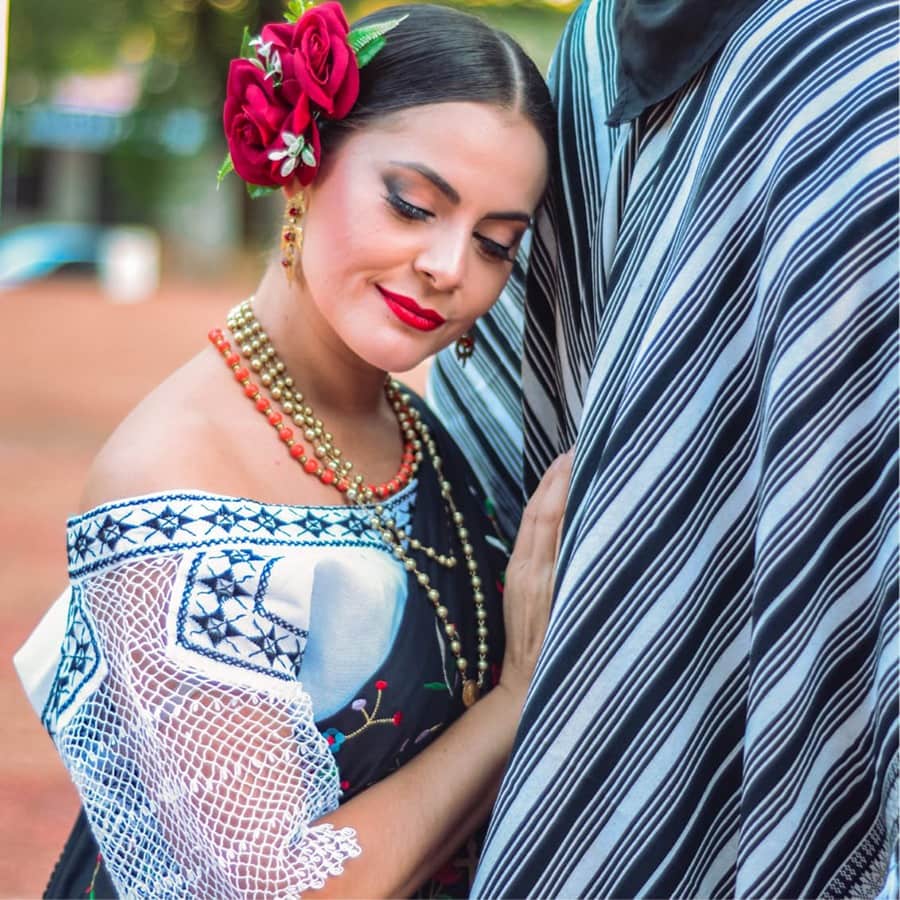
{"points": [[465, 347], [292, 234]]}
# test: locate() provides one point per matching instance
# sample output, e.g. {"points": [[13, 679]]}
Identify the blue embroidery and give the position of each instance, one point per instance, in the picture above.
{"points": [[354, 525], [223, 518], [225, 585], [243, 556], [79, 545], [170, 523], [269, 521], [112, 531], [312, 524], [215, 625], [219, 618], [78, 662], [269, 644], [335, 738]]}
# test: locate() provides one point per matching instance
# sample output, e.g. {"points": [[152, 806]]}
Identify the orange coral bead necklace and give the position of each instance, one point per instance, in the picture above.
{"points": [[325, 461]]}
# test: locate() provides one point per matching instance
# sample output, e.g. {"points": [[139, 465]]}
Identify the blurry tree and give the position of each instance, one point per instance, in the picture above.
{"points": [[184, 46], [179, 52]]}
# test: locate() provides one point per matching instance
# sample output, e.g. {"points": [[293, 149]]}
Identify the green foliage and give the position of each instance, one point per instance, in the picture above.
{"points": [[194, 39], [247, 52], [369, 52], [49, 38], [255, 191], [295, 9], [367, 41], [181, 50], [224, 170]]}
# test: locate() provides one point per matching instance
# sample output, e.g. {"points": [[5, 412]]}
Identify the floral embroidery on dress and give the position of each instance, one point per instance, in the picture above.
{"points": [[337, 738]]}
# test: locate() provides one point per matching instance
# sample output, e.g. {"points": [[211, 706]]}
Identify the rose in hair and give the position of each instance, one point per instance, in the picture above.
{"points": [[314, 51], [286, 80], [266, 131]]}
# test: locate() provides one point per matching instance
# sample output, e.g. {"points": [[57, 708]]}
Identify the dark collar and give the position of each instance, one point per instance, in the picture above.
{"points": [[663, 43]]}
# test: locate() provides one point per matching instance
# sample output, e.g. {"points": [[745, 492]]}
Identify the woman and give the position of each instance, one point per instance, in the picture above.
{"points": [[271, 655]]}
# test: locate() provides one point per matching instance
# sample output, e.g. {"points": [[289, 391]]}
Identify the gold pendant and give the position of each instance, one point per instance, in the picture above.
{"points": [[470, 692]]}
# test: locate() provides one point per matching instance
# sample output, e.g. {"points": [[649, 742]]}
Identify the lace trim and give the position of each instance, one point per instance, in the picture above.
{"points": [[196, 782]]}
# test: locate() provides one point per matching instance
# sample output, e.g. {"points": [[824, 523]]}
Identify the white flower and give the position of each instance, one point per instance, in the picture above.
{"points": [[297, 150], [272, 58]]}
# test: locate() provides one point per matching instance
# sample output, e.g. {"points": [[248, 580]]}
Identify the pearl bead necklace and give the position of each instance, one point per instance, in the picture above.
{"points": [[328, 463]]}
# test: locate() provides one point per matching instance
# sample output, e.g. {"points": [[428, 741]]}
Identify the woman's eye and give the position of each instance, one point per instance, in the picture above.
{"points": [[494, 250], [407, 210]]}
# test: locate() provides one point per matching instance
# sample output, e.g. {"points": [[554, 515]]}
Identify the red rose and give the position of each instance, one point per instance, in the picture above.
{"points": [[256, 118], [315, 52]]}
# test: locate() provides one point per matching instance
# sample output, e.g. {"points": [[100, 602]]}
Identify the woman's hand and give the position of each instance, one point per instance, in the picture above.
{"points": [[460, 772], [530, 574]]}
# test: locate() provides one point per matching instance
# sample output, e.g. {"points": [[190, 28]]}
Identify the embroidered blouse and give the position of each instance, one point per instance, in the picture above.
{"points": [[221, 673]]}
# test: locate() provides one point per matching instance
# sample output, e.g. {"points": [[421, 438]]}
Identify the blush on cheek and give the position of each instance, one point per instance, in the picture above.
{"points": [[330, 230]]}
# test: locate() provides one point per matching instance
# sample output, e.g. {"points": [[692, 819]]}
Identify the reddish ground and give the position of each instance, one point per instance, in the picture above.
{"points": [[73, 366]]}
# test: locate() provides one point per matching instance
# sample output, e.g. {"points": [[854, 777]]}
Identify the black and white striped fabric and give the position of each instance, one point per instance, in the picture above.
{"points": [[712, 319]]}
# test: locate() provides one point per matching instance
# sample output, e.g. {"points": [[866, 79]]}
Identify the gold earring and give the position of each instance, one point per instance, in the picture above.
{"points": [[465, 347], [292, 234]]}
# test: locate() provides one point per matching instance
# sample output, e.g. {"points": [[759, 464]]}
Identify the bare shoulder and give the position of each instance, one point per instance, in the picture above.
{"points": [[169, 441]]}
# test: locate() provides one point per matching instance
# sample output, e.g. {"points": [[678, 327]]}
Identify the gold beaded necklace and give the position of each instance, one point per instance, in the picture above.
{"points": [[327, 462]]}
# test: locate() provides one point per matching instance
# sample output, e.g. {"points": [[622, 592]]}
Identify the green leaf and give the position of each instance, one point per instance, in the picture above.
{"points": [[247, 52], [226, 167], [369, 52], [307, 154], [436, 686], [295, 9], [257, 190], [365, 42]]}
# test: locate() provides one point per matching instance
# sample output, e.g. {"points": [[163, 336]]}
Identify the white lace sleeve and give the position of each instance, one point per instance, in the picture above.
{"points": [[198, 780]]}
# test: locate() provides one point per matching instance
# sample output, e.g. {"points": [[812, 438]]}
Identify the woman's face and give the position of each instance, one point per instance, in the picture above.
{"points": [[412, 227]]}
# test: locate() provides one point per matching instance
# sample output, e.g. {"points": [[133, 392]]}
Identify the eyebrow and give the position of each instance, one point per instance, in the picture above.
{"points": [[453, 195], [511, 214]]}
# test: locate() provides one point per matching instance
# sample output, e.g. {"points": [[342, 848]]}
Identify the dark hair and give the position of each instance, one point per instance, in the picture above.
{"points": [[438, 54]]}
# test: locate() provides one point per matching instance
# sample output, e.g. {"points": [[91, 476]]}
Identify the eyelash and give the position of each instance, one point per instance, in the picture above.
{"points": [[491, 249], [407, 210], [495, 251]]}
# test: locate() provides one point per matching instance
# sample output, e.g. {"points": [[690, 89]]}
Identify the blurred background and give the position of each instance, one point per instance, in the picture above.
{"points": [[117, 254]]}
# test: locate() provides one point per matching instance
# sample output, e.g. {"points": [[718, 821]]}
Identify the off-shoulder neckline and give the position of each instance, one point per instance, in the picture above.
{"points": [[195, 494]]}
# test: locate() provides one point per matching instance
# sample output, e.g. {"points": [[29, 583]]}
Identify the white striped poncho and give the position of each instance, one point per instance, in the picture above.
{"points": [[712, 319]]}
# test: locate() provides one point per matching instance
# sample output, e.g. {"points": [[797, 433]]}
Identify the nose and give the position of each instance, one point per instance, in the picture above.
{"points": [[442, 260]]}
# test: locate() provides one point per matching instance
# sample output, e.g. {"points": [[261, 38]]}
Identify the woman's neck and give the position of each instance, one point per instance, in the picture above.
{"points": [[334, 380]]}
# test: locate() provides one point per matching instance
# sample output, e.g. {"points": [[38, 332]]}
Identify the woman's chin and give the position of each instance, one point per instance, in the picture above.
{"points": [[396, 356]]}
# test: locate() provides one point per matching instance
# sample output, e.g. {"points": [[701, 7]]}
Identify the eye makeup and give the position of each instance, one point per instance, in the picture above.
{"points": [[494, 249], [400, 205], [490, 248]]}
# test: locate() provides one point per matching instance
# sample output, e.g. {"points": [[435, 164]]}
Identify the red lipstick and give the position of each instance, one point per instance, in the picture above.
{"points": [[409, 312]]}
